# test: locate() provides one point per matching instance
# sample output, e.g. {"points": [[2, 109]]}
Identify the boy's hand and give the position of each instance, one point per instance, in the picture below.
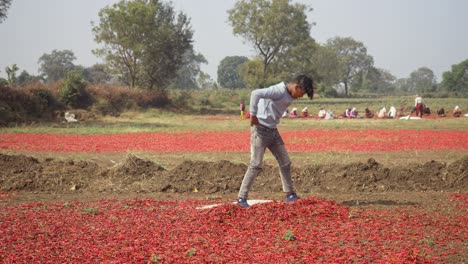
{"points": [[253, 120]]}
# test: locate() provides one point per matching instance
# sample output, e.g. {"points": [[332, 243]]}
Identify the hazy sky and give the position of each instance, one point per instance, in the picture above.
{"points": [[401, 35]]}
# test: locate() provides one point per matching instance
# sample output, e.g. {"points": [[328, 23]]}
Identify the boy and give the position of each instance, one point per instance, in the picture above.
{"points": [[266, 107]]}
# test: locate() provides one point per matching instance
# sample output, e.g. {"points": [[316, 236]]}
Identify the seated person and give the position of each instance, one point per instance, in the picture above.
{"points": [[293, 112], [322, 113], [441, 112], [426, 109], [457, 111], [286, 113], [329, 115], [400, 112], [382, 113], [392, 112], [305, 112], [350, 113], [368, 113]]}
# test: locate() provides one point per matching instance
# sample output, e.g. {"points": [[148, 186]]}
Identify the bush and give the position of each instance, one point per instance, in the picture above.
{"points": [[73, 92], [112, 99], [26, 103]]}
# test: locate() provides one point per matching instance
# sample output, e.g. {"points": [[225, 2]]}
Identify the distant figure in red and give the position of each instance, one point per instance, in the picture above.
{"points": [[418, 104], [242, 111], [293, 112]]}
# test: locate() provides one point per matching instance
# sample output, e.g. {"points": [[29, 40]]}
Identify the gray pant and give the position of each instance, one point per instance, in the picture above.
{"points": [[260, 139]]}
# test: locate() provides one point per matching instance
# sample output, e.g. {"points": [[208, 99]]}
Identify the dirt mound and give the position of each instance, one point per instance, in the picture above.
{"points": [[138, 175], [209, 177], [372, 176], [27, 173], [132, 174]]}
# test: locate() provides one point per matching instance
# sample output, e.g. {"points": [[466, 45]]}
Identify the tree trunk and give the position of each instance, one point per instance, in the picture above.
{"points": [[346, 88]]}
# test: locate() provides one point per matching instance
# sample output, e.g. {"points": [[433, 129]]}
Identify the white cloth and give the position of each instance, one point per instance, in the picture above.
{"points": [[70, 117], [392, 112], [408, 117], [322, 113], [382, 113]]}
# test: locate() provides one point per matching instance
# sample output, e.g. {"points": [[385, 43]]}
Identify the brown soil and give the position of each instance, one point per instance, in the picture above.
{"points": [[137, 175]]}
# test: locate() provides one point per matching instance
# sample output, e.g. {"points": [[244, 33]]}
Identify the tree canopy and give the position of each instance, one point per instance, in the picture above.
{"points": [[144, 41], [4, 6], [228, 72], [422, 80], [57, 64], [456, 80], [352, 58], [187, 74], [271, 26]]}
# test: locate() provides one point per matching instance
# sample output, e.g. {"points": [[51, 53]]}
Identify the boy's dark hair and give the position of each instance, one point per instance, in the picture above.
{"points": [[306, 83]]}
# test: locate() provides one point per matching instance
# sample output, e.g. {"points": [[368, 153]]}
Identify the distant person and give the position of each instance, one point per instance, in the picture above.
{"points": [[322, 113], [441, 112], [382, 113], [305, 112], [286, 113], [329, 115], [426, 109], [400, 112], [266, 108], [392, 112], [368, 113], [242, 111], [351, 113], [418, 105], [457, 112], [293, 112]]}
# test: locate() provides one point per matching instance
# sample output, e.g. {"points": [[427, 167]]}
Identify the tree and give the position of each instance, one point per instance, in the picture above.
{"points": [[374, 80], [456, 80], [11, 73], [204, 81], [271, 26], [251, 73], [228, 72], [56, 65], [402, 85], [187, 74], [309, 58], [98, 73], [422, 80], [144, 41], [352, 58], [4, 6], [25, 77]]}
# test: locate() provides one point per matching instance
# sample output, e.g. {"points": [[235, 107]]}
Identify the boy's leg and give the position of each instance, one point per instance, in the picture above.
{"points": [[257, 151], [281, 155]]}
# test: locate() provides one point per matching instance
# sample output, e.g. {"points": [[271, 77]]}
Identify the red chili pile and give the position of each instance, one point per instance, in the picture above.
{"points": [[312, 230], [308, 140]]}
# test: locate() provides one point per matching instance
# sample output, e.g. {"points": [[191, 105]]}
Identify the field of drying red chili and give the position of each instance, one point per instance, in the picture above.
{"points": [[309, 140], [312, 230]]}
